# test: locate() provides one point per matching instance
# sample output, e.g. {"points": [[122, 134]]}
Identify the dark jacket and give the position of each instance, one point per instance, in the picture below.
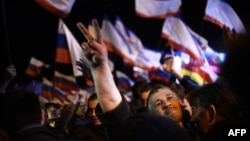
{"points": [[38, 133]]}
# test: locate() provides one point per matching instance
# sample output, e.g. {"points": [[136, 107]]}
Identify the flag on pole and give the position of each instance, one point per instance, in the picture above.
{"points": [[159, 9], [221, 13]]}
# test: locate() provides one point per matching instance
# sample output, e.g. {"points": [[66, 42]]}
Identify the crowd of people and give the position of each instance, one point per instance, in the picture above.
{"points": [[159, 111]]}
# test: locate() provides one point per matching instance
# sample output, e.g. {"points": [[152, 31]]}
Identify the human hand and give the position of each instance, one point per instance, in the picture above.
{"points": [[172, 65], [168, 63], [94, 49], [84, 68], [228, 34]]}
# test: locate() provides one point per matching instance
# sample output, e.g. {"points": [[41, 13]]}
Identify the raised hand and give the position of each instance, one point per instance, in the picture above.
{"points": [[229, 34], [84, 68], [94, 49], [96, 54]]}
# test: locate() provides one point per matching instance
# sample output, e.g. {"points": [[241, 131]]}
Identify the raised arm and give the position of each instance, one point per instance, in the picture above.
{"points": [[96, 54]]}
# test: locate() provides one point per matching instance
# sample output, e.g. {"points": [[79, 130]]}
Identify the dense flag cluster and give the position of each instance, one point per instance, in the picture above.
{"points": [[196, 58]]}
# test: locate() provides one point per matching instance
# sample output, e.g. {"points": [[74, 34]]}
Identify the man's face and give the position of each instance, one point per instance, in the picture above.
{"points": [[165, 102], [91, 112]]}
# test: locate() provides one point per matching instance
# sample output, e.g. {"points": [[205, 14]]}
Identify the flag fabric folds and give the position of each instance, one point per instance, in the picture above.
{"points": [[179, 37], [192, 48], [35, 66], [142, 57], [51, 93], [116, 43], [221, 13], [159, 75], [68, 49], [124, 84], [158, 9], [60, 8], [62, 51], [65, 82]]}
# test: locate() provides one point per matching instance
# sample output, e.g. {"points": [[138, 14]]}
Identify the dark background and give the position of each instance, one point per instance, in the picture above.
{"points": [[28, 30]]}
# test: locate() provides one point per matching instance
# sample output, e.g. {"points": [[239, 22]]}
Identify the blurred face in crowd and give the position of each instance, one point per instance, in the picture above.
{"points": [[201, 118], [144, 97], [166, 103], [92, 104]]}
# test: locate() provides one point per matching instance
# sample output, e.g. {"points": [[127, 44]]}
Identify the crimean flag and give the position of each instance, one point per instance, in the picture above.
{"points": [[60, 8], [180, 37], [159, 9], [116, 43], [222, 14]]}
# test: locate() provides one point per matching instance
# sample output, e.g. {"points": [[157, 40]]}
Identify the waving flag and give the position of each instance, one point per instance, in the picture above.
{"points": [[221, 13], [179, 37], [35, 66], [159, 75], [186, 41], [131, 38], [158, 9], [65, 82], [51, 93], [116, 42], [60, 8], [149, 59], [143, 57], [68, 49], [199, 73], [124, 84], [140, 74]]}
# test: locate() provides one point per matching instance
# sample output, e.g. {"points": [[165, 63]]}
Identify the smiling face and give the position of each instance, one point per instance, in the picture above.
{"points": [[166, 103]]}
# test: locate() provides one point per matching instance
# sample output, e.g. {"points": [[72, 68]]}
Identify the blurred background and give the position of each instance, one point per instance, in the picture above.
{"points": [[28, 29]]}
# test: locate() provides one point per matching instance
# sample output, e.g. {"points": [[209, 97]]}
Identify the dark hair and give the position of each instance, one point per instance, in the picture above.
{"points": [[136, 88], [219, 95], [92, 97], [21, 108], [178, 89], [149, 127], [236, 69]]}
